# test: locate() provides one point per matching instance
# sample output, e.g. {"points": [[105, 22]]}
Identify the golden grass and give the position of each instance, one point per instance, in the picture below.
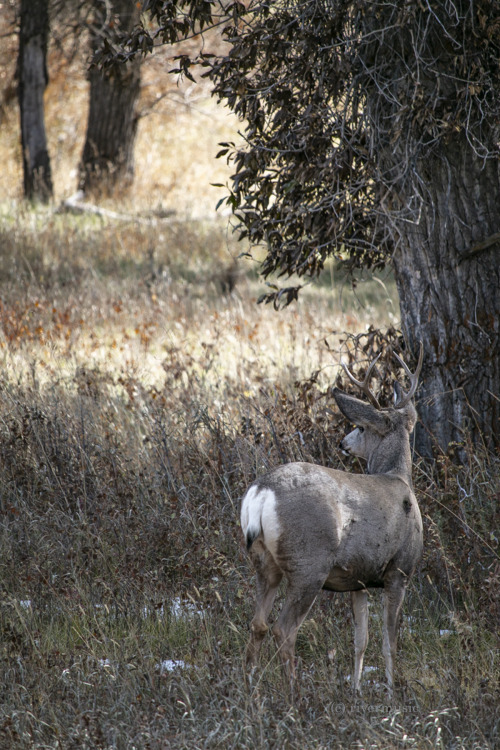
{"points": [[86, 293]]}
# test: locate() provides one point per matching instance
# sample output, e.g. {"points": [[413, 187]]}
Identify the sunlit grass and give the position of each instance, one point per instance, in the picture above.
{"points": [[86, 292]]}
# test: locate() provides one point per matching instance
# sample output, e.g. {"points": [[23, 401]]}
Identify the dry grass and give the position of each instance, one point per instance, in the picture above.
{"points": [[138, 399]]}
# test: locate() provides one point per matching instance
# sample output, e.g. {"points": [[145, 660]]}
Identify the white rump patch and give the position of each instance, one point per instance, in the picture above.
{"points": [[258, 515], [247, 508]]}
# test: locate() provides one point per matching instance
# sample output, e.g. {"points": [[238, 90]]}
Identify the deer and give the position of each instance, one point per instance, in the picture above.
{"points": [[323, 528]]}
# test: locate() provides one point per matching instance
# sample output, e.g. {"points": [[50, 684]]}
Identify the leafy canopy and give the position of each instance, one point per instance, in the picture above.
{"points": [[344, 103]]}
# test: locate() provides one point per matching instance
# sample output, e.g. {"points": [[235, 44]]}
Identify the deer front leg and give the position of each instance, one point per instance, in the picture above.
{"points": [[394, 594], [359, 602]]}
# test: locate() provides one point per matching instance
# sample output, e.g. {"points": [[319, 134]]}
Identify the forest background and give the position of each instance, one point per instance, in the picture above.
{"points": [[142, 390]]}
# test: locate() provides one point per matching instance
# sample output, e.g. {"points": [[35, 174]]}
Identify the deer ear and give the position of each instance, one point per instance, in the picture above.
{"points": [[408, 410], [359, 412], [398, 394]]}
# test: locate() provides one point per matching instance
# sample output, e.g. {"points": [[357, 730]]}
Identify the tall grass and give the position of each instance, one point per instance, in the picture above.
{"points": [[137, 403]]}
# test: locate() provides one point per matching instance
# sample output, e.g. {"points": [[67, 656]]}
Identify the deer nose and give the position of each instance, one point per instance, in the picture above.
{"points": [[343, 447]]}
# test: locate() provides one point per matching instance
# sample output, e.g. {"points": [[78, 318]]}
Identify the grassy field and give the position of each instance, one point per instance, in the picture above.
{"points": [[138, 400]]}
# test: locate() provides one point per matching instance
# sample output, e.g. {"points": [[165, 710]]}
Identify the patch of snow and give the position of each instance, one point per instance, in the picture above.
{"points": [[177, 608], [366, 670], [368, 680], [168, 665]]}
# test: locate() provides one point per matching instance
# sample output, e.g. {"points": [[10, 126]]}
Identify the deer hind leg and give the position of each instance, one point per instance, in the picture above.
{"points": [[298, 602], [359, 602], [268, 579], [394, 593]]}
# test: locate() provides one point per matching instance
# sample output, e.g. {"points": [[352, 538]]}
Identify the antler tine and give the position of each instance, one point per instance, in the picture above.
{"points": [[364, 384], [413, 376]]}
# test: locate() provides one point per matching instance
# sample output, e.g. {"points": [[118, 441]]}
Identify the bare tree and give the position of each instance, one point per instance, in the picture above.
{"points": [[108, 153], [372, 134], [33, 79]]}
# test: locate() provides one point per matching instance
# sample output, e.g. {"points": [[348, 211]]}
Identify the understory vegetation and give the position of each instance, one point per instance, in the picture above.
{"points": [[141, 391]]}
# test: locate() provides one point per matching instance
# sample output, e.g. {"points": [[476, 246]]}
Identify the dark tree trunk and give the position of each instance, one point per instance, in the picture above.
{"points": [[33, 78], [108, 154], [448, 276]]}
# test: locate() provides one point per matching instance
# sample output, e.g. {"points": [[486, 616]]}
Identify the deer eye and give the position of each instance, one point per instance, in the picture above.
{"points": [[361, 429]]}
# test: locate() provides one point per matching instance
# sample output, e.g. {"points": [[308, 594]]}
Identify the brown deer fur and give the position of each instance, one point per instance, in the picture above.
{"points": [[326, 529]]}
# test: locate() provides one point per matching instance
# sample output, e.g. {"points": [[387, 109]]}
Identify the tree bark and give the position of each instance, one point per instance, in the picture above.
{"points": [[448, 277], [108, 154], [33, 79]]}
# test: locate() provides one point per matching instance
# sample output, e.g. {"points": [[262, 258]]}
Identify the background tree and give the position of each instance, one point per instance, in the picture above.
{"points": [[32, 81], [108, 153], [373, 135]]}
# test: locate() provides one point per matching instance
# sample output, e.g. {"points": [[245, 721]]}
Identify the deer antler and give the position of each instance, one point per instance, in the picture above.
{"points": [[413, 377], [364, 385]]}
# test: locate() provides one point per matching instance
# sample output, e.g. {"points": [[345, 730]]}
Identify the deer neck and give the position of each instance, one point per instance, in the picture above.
{"points": [[388, 460]]}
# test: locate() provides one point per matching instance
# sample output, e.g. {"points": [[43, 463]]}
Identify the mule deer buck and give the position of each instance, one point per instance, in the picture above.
{"points": [[323, 528]]}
